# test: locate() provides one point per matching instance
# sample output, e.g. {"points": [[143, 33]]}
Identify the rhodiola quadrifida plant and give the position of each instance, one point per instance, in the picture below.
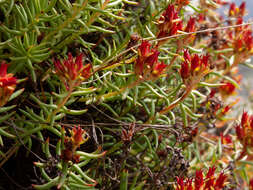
{"points": [[124, 94]]}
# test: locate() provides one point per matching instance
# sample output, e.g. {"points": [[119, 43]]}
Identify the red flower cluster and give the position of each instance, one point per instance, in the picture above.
{"points": [[169, 22], [243, 42], [227, 89], [72, 72], [7, 84], [235, 11], [193, 66], [77, 136], [147, 65], [190, 27], [72, 143], [210, 182], [244, 132]]}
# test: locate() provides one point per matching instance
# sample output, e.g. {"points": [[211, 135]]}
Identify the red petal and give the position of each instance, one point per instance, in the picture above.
{"points": [[185, 70], [145, 48], [79, 62], [190, 25], [3, 69], [8, 81], [153, 58], [220, 181], [187, 56]]}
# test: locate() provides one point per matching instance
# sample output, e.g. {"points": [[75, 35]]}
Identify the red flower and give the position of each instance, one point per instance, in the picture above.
{"points": [[239, 132], [195, 63], [205, 59], [72, 143], [219, 184], [199, 181], [185, 70], [193, 66], [170, 13], [7, 84], [144, 48], [243, 40], [169, 22], [235, 11], [210, 178], [153, 58], [77, 136], [181, 185], [187, 56], [242, 9], [174, 29], [227, 88], [232, 10], [158, 68], [6, 79], [210, 172], [143, 53], [147, 65], [72, 71], [202, 183], [190, 27], [245, 118], [86, 71], [244, 132]]}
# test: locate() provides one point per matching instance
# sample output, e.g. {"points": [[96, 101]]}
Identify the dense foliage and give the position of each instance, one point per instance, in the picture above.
{"points": [[122, 94]]}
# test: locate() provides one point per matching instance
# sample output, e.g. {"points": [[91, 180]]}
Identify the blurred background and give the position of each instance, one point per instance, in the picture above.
{"points": [[245, 92]]}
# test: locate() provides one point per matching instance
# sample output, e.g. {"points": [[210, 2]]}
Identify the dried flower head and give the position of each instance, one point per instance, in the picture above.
{"points": [[127, 135], [7, 84]]}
